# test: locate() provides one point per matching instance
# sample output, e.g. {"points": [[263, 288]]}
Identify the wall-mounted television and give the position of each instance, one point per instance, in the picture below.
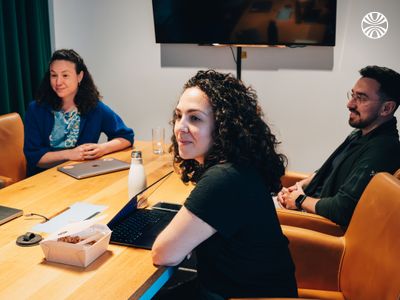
{"points": [[245, 22]]}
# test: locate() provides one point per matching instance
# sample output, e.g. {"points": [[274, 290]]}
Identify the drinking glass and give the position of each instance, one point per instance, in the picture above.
{"points": [[158, 136]]}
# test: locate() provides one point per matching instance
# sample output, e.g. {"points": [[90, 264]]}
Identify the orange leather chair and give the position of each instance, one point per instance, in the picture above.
{"points": [[307, 220], [290, 178], [303, 219], [397, 174], [13, 163], [362, 264]]}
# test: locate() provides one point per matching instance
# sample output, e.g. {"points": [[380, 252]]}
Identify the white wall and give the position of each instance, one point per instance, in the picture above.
{"points": [[302, 91]]}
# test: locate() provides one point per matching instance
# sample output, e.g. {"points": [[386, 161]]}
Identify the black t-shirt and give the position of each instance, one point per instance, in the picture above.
{"points": [[248, 256]]}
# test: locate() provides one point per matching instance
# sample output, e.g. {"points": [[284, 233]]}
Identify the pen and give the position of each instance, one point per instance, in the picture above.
{"points": [[91, 216]]}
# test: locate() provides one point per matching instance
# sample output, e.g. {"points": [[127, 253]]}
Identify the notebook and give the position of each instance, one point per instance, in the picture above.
{"points": [[9, 213], [137, 227], [94, 167]]}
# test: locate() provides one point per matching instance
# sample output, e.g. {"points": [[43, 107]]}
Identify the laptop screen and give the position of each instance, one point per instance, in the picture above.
{"points": [[131, 206]]}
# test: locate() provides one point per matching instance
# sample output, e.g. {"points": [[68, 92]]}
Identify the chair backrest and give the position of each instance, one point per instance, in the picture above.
{"points": [[397, 174], [290, 178], [370, 266], [12, 158]]}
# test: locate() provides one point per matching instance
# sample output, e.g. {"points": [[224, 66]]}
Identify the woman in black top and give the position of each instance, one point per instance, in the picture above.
{"points": [[222, 144]]}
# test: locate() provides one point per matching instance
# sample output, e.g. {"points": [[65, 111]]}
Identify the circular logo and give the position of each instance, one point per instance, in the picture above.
{"points": [[374, 25]]}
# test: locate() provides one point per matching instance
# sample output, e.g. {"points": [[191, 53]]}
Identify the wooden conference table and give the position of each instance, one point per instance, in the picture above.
{"points": [[120, 273]]}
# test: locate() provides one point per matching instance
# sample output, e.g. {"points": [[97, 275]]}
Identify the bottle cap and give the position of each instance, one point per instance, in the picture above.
{"points": [[136, 154]]}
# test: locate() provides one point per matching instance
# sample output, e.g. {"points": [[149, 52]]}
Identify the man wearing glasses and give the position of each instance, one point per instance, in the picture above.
{"points": [[334, 190]]}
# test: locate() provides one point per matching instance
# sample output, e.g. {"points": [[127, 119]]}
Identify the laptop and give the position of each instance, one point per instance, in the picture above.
{"points": [[8, 213], [139, 227], [94, 167]]}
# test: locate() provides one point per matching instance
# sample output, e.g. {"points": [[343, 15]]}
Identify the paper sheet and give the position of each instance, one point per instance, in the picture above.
{"points": [[77, 212]]}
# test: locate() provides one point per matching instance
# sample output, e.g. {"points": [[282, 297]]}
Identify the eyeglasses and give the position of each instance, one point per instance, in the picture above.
{"points": [[359, 98]]}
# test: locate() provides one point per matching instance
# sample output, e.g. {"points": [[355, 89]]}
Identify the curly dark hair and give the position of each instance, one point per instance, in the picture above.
{"points": [[388, 79], [240, 134], [87, 96]]}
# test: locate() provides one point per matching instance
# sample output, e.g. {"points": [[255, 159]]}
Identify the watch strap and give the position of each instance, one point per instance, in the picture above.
{"points": [[299, 201]]}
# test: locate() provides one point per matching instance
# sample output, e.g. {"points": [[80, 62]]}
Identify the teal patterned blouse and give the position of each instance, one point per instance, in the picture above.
{"points": [[65, 132]]}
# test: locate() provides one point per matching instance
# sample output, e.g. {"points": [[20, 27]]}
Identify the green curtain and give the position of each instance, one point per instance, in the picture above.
{"points": [[25, 50]]}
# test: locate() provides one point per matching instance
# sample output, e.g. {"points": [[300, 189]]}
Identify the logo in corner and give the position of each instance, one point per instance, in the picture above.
{"points": [[374, 25]]}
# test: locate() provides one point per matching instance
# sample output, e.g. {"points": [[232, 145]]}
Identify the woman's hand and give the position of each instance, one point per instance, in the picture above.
{"points": [[82, 152], [86, 152], [93, 151], [76, 153]]}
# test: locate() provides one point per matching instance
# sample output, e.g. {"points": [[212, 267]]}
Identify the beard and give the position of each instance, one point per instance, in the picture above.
{"points": [[361, 123]]}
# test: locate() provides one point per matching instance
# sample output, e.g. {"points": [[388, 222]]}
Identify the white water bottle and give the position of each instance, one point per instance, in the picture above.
{"points": [[137, 175]]}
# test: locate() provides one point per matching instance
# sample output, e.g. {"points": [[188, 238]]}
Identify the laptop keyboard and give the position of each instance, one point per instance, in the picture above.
{"points": [[132, 227]]}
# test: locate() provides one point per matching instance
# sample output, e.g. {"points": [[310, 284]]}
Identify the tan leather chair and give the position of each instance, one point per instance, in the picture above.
{"points": [[397, 174], [290, 178], [307, 220], [303, 219], [364, 263], [12, 158]]}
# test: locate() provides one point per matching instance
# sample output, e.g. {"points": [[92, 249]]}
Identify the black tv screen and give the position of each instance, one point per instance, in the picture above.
{"points": [[245, 22]]}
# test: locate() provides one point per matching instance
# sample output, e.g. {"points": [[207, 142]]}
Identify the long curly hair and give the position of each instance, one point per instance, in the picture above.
{"points": [[87, 96], [240, 134]]}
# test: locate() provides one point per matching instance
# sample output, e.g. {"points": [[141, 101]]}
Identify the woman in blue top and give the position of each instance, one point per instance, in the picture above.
{"points": [[223, 145], [67, 117]]}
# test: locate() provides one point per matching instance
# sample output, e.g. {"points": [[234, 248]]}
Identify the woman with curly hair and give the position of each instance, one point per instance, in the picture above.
{"points": [[222, 144], [67, 117]]}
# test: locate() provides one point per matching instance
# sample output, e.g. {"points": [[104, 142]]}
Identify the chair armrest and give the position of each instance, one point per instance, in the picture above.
{"points": [[258, 298], [317, 258], [308, 221], [5, 181], [319, 294], [290, 178], [306, 295]]}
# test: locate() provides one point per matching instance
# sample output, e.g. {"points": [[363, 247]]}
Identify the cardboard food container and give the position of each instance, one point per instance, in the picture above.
{"points": [[87, 241]]}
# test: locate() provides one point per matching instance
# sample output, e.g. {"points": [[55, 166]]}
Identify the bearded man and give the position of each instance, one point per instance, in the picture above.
{"points": [[334, 190]]}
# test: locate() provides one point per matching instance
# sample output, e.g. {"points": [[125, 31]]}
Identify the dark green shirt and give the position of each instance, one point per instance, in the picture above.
{"points": [[341, 186], [248, 256]]}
